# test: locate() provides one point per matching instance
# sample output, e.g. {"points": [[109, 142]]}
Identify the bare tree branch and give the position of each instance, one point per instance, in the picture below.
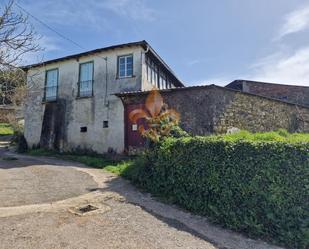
{"points": [[17, 36]]}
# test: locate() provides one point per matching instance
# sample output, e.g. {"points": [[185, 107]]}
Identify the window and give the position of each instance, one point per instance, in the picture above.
{"points": [[105, 124], [83, 129], [125, 66], [51, 85], [162, 81], [148, 72], [85, 84]]}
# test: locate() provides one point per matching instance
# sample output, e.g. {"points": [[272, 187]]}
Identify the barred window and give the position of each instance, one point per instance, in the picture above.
{"points": [[85, 84]]}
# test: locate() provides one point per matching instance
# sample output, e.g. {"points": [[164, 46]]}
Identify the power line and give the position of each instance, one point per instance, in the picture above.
{"points": [[55, 31], [49, 27], [67, 39]]}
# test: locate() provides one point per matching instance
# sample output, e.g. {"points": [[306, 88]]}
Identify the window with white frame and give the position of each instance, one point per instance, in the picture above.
{"points": [[125, 66], [51, 85], [85, 83]]}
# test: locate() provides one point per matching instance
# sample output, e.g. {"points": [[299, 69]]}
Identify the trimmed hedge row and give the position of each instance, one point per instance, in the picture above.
{"points": [[260, 188]]}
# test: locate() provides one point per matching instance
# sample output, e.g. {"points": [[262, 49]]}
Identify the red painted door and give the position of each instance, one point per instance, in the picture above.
{"points": [[133, 138]]}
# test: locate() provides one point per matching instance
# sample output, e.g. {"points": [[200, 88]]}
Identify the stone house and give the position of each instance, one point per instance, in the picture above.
{"points": [[83, 101], [71, 103]]}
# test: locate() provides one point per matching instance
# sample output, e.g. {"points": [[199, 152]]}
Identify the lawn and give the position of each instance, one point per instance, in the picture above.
{"points": [[93, 160], [6, 129], [280, 135]]}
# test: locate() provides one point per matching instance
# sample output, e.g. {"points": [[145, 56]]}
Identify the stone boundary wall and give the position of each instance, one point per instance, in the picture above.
{"points": [[5, 110], [258, 114]]}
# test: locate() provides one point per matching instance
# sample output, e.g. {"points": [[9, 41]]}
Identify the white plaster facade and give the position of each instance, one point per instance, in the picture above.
{"points": [[88, 112]]}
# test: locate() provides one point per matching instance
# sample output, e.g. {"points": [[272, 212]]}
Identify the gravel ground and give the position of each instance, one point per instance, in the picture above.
{"points": [[37, 196], [124, 226]]}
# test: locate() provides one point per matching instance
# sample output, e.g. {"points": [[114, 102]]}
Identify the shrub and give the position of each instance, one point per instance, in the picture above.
{"points": [[177, 132], [6, 129], [257, 187]]}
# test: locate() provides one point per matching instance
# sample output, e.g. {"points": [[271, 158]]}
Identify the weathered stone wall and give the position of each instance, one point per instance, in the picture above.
{"points": [[294, 94], [213, 109], [256, 114]]}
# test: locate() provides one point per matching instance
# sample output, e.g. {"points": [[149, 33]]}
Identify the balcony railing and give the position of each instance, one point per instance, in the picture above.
{"points": [[50, 93], [85, 88]]}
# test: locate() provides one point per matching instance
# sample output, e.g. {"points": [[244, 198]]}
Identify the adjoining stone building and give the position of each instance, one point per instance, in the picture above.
{"points": [[83, 101], [214, 109], [289, 93]]}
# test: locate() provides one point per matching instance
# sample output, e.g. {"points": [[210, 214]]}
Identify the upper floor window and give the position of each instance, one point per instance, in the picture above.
{"points": [[51, 85], [85, 84], [125, 66]]}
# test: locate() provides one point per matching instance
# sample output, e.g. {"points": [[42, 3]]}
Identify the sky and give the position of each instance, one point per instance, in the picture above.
{"points": [[203, 41]]}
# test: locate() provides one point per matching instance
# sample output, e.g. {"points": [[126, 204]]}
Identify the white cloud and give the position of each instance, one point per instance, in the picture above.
{"points": [[295, 21], [220, 81], [90, 14], [284, 67], [133, 9], [47, 44]]}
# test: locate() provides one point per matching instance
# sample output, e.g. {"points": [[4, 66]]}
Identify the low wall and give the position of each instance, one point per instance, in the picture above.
{"points": [[6, 110]]}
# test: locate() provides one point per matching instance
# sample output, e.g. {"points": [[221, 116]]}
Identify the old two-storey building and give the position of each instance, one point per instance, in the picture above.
{"points": [[71, 103]]}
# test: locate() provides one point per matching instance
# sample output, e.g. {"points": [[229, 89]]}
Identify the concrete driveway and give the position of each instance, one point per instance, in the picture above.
{"points": [[42, 202]]}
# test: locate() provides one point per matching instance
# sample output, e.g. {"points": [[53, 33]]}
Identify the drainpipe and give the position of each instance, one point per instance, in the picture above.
{"points": [[106, 83]]}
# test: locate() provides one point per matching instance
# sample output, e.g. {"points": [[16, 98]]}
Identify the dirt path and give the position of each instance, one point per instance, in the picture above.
{"points": [[125, 218]]}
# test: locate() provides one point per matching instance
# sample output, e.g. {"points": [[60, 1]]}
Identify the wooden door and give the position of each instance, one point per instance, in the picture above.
{"points": [[133, 138]]}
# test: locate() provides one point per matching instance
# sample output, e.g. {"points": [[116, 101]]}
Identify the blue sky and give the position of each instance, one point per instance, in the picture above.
{"points": [[203, 41]]}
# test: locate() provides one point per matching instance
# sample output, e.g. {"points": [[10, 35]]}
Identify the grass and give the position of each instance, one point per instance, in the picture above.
{"points": [[280, 135], [96, 161], [6, 129]]}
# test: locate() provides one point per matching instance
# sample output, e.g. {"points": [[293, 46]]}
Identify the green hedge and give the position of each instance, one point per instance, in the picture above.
{"points": [[260, 188]]}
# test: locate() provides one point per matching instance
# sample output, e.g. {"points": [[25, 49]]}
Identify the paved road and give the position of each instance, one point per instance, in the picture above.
{"points": [[38, 198], [30, 182]]}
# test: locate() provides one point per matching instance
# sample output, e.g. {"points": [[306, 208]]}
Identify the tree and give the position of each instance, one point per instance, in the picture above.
{"points": [[17, 38]]}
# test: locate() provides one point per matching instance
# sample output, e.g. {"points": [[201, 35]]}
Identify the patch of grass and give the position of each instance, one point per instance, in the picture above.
{"points": [[42, 152], [280, 135], [9, 158], [96, 161], [119, 168], [6, 129]]}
